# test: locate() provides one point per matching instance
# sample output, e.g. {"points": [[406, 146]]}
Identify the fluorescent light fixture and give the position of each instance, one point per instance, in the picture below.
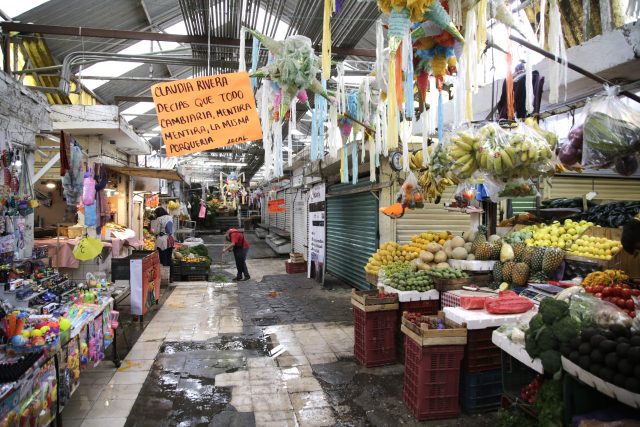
{"points": [[296, 132], [232, 164], [139, 108], [157, 129], [150, 134], [50, 185]]}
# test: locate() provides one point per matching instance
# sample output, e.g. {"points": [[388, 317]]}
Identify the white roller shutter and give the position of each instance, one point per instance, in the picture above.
{"points": [[288, 218], [300, 214], [431, 218], [607, 188], [278, 220]]}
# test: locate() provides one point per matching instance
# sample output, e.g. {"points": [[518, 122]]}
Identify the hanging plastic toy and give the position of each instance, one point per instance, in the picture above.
{"points": [[231, 187]]}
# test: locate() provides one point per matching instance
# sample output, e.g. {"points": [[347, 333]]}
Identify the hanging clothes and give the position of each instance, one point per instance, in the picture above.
{"points": [[520, 95]]}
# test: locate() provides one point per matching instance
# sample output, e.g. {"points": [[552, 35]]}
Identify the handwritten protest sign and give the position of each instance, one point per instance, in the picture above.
{"points": [[276, 206], [206, 112]]}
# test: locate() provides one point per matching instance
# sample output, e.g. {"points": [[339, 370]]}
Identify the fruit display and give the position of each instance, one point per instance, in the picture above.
{"points": [[193, 254], [612, 354], [517, 219], [595, 247], [447, 273], [521, 153], [429, 322], [605, 278], [149, 241], [619, 294], [391, 252], [557, 234], [419, 281], [193, 259], [522, 265], [518, 188]]}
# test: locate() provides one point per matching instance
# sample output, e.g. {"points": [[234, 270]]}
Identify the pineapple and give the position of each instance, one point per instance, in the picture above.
{"points": [[507, 271], [495, 250], [497, 272], [481, 237], [518, 251], [537, 258], [538, 277], [483, 252], [528, 254], [520, 274], [552, 259]]}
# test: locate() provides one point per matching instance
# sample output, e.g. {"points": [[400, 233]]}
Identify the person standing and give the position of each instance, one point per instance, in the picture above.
{"points": [[162, 227], [240, 249]]}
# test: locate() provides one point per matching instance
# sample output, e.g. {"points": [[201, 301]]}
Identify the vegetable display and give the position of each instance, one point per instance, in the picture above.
{"points": [[549, 404], [612, 354], [620, 295], [530, 391], [409, 281], [613, 214]]}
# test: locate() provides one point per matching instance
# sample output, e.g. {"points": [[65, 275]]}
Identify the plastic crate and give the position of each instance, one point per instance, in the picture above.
{"points": [[481, 392], [580, 399], [295, 267], [515, 375], [431, 380], [480, 354], [374, 337], [194, 268], [427, 307]]}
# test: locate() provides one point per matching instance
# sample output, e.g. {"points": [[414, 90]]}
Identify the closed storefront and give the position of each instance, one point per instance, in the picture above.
{"points": [[606, 188], [300, 229], [431, 218], [352, 231]]}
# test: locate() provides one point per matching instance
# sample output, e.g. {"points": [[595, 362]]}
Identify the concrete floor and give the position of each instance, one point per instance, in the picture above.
{"points": [[273, 351]]}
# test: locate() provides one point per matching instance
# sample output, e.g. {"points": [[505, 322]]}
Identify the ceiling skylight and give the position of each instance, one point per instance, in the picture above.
{"points": [[136, 109], [14, 8]]}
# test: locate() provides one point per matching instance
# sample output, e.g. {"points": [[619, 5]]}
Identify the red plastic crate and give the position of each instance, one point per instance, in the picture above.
{"points": [[427, 307], [431, 380], [374, 337], [295, 267], [480, 354]]}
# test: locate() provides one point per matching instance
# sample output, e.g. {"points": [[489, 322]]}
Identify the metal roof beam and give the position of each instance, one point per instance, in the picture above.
{"points": [[147, 35]]}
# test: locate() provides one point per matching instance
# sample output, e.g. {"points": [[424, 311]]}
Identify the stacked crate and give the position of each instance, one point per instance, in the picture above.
{"points": [[374, 323]]}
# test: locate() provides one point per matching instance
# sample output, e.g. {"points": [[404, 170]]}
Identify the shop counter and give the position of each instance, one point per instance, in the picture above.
{"points": [[516, 351], [481, 319]]}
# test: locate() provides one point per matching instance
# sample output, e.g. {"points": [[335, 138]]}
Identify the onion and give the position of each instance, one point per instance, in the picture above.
{"points": [[626, 165], [569, 155], [575, 137]]}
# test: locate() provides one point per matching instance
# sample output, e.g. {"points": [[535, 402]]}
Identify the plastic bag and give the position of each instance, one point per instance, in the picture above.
{"points": [[87, 248], [592, 311], [518, 187], [534, 152], [611, 134], [88, 188], [90, 215], [570, 152], [410, 194], [461, 147], [508, 302]]}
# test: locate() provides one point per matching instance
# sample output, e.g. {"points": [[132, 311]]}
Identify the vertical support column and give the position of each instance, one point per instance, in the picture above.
{"points": [[6, 51]]}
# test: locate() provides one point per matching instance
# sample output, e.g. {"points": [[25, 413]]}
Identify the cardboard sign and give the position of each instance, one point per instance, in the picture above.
{"points": [[151, 200], [276, 206], [206, 112]]}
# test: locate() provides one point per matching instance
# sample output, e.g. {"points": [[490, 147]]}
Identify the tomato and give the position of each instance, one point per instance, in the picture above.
{"points": [[625, 293], [629, 304], [625, 286], [598, 295], [606, 292], [589, 289], [615, 291], [632, 314], [599, 288], [635, 292]]}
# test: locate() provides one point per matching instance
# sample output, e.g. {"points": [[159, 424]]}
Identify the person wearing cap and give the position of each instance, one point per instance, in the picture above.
{"points": [[240, 248]]}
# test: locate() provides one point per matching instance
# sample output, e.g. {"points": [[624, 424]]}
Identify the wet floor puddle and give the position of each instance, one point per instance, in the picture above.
{"points": [[180, 389]]}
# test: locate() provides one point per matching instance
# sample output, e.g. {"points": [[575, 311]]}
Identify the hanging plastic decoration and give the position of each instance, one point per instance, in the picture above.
{"points": [[232, 189], [557, 72], [436, 14]]}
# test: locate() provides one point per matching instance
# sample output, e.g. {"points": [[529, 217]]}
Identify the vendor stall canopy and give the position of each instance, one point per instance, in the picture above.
{"points": [[69, 31]]}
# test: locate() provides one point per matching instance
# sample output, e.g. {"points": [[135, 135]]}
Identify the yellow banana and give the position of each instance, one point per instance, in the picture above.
{"points": [[533, 153], [497, 164], [524, 157], [464, 159], [468, 168], [463, 145]]}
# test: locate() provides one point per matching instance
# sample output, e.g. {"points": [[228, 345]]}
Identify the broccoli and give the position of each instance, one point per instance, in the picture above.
{"points": [[536, 322], [552, 310], [545, 339], [551, 361], [566, 329], [530, 344]]}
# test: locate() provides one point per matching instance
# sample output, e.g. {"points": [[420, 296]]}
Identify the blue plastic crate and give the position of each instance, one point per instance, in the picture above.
{"points": [[481, 392]]}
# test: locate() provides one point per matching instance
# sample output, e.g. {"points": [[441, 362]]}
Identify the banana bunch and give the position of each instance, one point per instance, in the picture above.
{"points": [[416, 159], [432, 186], [560, 168], [551, 137], [498, 161], [461, 150]]}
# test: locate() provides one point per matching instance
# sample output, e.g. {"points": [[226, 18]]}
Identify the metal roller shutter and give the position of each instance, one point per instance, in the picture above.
{"points": [[431, 218], [288, 215], [300, 231], [523, 204], [352, 234], [607, 188], [279, 219]]}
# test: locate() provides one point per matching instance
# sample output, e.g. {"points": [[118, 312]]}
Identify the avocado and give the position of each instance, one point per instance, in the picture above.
{"points": [[584, 362], [585, 348], [619, 380], [622, 339], [611, 360], [635, 341], [575, 343], [574, 356], [607, 346], [606, 374], [587, 333], [634, 354], [596, 340], [597, 356], [565, 349], [595, 368], [632, 384], [608, 334], [636, 371], [622, 349], [620, 330], [625, 367]]}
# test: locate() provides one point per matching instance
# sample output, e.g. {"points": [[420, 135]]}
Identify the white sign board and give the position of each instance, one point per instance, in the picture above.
{"points": [[316, 225]]}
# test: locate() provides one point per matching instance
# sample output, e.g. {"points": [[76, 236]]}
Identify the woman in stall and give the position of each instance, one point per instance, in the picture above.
{"points": [[162, 227]]}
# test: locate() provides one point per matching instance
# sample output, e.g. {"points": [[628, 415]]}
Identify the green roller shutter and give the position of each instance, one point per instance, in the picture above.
{"points": [[523, 204], [352, 233]]}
